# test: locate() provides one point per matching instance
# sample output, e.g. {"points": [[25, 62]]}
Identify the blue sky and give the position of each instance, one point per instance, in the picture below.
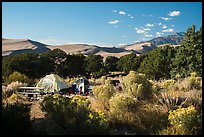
{"points": [[98, 23]]}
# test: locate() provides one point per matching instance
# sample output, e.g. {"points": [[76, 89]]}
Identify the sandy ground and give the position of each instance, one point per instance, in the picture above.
{"points": [[36, 111]]}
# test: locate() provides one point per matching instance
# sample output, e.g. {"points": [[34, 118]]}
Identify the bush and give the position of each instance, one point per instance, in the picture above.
{"points": [[105, 91], [122, 114], [137, 85], [169, 83], [17, 76], [74, 115], [122, 102], [16, 119], [102, 94], [195, 81], [184, 121]]}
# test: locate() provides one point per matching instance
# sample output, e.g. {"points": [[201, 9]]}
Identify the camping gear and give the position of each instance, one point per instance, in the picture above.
{"points": [[81, 86], [52, 83]]}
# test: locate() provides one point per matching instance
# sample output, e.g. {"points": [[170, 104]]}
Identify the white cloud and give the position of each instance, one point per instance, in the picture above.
{"points": [[124, 36], [113, 22], [115, 11], [146, 15], [146, 29], [115, 26], [149, 25], [165, 18], [147, 35], [168, 30], [122, 12], [140, 30], [174, 13], [129, 15], [158, 34], [160, 24], [164, 27], [172, 25]]}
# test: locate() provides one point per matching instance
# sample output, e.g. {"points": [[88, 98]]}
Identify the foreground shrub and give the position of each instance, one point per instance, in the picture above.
{"points": [[136, 116], [122, 116], [16, 119], [102, 95], [184, 121], [122, 102], [74, 115], [137, 85], [105, 91]]}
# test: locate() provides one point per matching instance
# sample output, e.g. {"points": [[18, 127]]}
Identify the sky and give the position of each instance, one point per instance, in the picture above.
{"points": [[97, 23]]}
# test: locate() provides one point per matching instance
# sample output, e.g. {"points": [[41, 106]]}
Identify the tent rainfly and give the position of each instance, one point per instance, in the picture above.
{"points": [[52, 83]]}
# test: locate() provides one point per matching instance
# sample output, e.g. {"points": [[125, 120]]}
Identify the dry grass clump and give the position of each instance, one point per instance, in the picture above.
{"points": [[183, 92], [190, 83], [15, 85], [9, 93]]}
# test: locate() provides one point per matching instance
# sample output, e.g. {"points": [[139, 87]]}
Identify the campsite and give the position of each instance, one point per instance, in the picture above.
{"points": [[111, 68], [112, 96]]}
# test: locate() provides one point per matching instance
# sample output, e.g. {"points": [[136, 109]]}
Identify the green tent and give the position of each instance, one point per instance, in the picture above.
{"points": [[52, 83]]}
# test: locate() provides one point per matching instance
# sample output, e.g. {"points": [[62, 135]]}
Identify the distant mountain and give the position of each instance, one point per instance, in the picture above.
{"points": [[146, 46], [16, 46], [174, 39]]}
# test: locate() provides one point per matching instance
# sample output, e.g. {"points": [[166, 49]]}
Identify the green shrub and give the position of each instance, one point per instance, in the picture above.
{"points": [[17, 76], [102, 95], [137, 85], [105, 91], [169, 83], [184, 121], [74, 115], [195, 81], [121, 103]]}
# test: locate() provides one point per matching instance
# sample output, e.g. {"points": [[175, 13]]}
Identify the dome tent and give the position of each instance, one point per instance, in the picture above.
{"points": [[52, 83]]}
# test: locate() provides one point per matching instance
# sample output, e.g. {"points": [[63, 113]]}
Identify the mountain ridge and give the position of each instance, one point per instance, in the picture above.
{"points": [[16, 46]]}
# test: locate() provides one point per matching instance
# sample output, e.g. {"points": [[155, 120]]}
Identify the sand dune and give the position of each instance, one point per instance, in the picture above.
{"points": [[141, 47], [74, 48], [16, 46]]}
